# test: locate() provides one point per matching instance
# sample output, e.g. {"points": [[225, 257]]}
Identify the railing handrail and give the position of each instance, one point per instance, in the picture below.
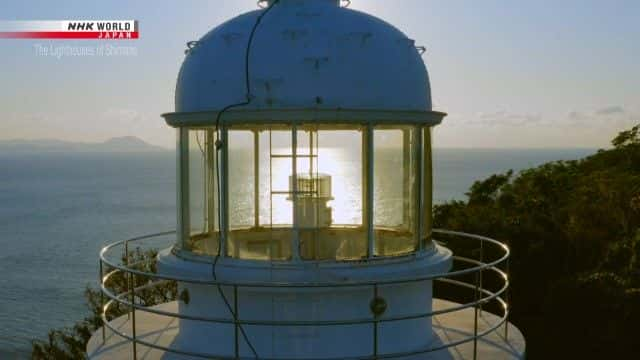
{"points": [[121, 298], [482, 297], [275, 284]]}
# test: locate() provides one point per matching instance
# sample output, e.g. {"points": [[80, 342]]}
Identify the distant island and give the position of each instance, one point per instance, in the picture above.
{"points": [[116, 144]]}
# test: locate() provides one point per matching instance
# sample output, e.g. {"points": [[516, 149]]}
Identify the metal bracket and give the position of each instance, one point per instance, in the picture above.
{"points": [[190, 46]]}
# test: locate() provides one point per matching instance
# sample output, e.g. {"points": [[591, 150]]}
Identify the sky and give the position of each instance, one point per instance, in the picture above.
{"points": [[534, 74]]}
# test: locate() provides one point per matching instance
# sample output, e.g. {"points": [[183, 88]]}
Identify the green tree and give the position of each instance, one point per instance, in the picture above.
{"points": [[574, 231]]}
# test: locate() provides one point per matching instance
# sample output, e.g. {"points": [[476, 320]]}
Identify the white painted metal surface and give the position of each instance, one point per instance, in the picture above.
{"points": [[308, 304], [163, 331], [294, 310], [305, 54]]}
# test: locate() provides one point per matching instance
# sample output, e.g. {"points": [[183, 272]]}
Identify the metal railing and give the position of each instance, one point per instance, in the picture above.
{"points": [[476, 269]]}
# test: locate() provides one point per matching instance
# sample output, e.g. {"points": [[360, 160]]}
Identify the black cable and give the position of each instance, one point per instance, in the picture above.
{"points": [[219, 145]]}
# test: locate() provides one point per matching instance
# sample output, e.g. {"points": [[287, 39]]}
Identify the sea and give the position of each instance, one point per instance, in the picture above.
{"points": [[58, 209]]}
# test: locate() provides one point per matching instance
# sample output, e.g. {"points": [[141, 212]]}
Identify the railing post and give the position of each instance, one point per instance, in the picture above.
{"points": [[133, 314], [126, 252], [235, 321], [102, 314], [475, 320], [481, 294], [507, 297], [126, 263]]}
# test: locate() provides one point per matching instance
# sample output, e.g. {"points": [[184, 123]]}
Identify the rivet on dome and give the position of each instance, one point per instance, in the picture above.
{"points": [[294, 34], [317, 61], [364, 36], [230, 38], [308, 14]]}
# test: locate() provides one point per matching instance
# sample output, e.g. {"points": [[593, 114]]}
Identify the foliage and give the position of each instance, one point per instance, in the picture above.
{"points": [[574, 230], [71, 343]]}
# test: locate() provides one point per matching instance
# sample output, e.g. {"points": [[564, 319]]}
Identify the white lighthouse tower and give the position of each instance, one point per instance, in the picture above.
{"points": [[304, 195]]}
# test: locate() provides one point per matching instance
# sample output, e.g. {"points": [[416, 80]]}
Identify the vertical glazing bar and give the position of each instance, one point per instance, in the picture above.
{"points": [[210, 182], [406, 178], [179, 197], [133, 316], [311, 152], [271, 182], [419, 186], [102, 300], [256, 178], [224, 227], [369, 181], [236, 318], [183, 186], [315, 188], [365, 183], [294, 188], [271, 242], [427, 195]]}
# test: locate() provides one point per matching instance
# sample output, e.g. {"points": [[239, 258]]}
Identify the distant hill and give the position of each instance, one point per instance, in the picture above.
{"points": [[117, 144]]}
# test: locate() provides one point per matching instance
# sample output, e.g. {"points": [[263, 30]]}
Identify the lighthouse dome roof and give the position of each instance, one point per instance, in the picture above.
{"points": [[304, 54]]}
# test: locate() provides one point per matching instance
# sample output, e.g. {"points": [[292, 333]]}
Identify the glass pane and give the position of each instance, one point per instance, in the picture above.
{"points": [[271, 238], [265, 179], [340, 156], [280, 201], [182, 194], [427, 192], [261, 244], [241, 179], [241, 175], [203, 216], [329, 206], [280, 141], [197, 181], [395, 189]]}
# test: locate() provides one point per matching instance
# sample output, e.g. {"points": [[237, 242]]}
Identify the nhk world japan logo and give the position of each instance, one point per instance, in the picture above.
{"points": [[70, 29]]}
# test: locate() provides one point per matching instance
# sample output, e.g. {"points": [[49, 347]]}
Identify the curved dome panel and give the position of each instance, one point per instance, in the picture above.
{"points": [[305, 54]]}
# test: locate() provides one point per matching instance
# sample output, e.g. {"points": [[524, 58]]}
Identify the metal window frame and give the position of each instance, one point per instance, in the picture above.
{"points": [[365, 121], [183, 201], [311, 116]]}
